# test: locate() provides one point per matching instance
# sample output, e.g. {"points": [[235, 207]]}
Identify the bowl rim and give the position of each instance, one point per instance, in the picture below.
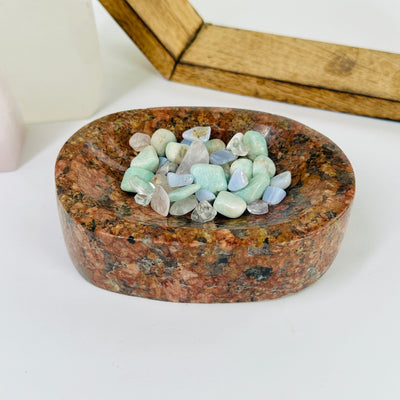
{"points": [[214, 225]]}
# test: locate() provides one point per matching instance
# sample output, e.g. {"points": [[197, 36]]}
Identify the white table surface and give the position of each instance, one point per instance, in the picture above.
{"points": [[63, 338]]}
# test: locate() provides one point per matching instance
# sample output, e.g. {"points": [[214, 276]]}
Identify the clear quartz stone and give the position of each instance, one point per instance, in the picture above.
{"points": [[182, 207], [161, 161], [141, 186], [203, 212], [266, 133], [168, 166], [196, 154], [142, 199], [258, 207], [160, 201]]}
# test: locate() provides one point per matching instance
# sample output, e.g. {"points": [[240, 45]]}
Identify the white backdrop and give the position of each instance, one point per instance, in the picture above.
{"points": [[62, 338]]}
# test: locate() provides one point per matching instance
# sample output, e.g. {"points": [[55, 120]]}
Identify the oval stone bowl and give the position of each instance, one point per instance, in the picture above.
{"points": [[121, 246]]}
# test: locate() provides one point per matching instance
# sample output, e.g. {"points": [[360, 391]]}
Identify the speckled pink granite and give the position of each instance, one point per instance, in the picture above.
{"points": [[121, 246]]}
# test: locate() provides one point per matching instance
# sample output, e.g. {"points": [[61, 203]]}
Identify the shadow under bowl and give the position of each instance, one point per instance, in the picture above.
{"points": [[126, 248]]}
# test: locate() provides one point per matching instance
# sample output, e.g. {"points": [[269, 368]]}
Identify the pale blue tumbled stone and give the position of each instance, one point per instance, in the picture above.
{"points": [[204, 194], [147, 159], [188, 142], [162, 161], [183, 192], [282, 180], [229, 205], [210, 177], [255, 189], [198, 132], [256, 144], [222, 157], [175, 180], [245, 164], [238, 180], [273, 195], [236, 145]]}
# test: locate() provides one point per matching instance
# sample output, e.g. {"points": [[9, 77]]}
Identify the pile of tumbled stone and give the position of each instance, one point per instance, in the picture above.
{"points": [[203, 176]]}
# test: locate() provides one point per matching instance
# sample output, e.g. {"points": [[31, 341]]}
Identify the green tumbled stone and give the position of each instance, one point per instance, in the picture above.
{"points": [[214, 145], [229, 205], [161, 137], [176, 151], [255, 189], [210, 177], [132, 171], [147, 159], [141, 186], [227, 171], [245, 164], [183, 192], [263, 165], [256, 144]]}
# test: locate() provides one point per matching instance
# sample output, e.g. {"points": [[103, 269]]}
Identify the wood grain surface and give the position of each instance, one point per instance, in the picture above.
{"points": [[317, 74], [286, 92], [173, 22], [139, 32], [305, 62]]}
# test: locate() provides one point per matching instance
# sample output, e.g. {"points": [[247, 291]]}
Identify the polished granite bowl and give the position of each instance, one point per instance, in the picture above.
{"points": [[121, 246]]}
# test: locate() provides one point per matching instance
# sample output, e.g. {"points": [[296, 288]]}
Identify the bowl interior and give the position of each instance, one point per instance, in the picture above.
{"points": [[91, 165]]}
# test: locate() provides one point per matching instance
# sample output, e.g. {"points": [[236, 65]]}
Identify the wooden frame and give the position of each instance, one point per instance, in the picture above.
{"points": [[329, 76]]}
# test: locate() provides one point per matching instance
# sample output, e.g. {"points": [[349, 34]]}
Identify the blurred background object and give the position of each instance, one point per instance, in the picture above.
{"points": [[11, 131], [50, 58]]}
